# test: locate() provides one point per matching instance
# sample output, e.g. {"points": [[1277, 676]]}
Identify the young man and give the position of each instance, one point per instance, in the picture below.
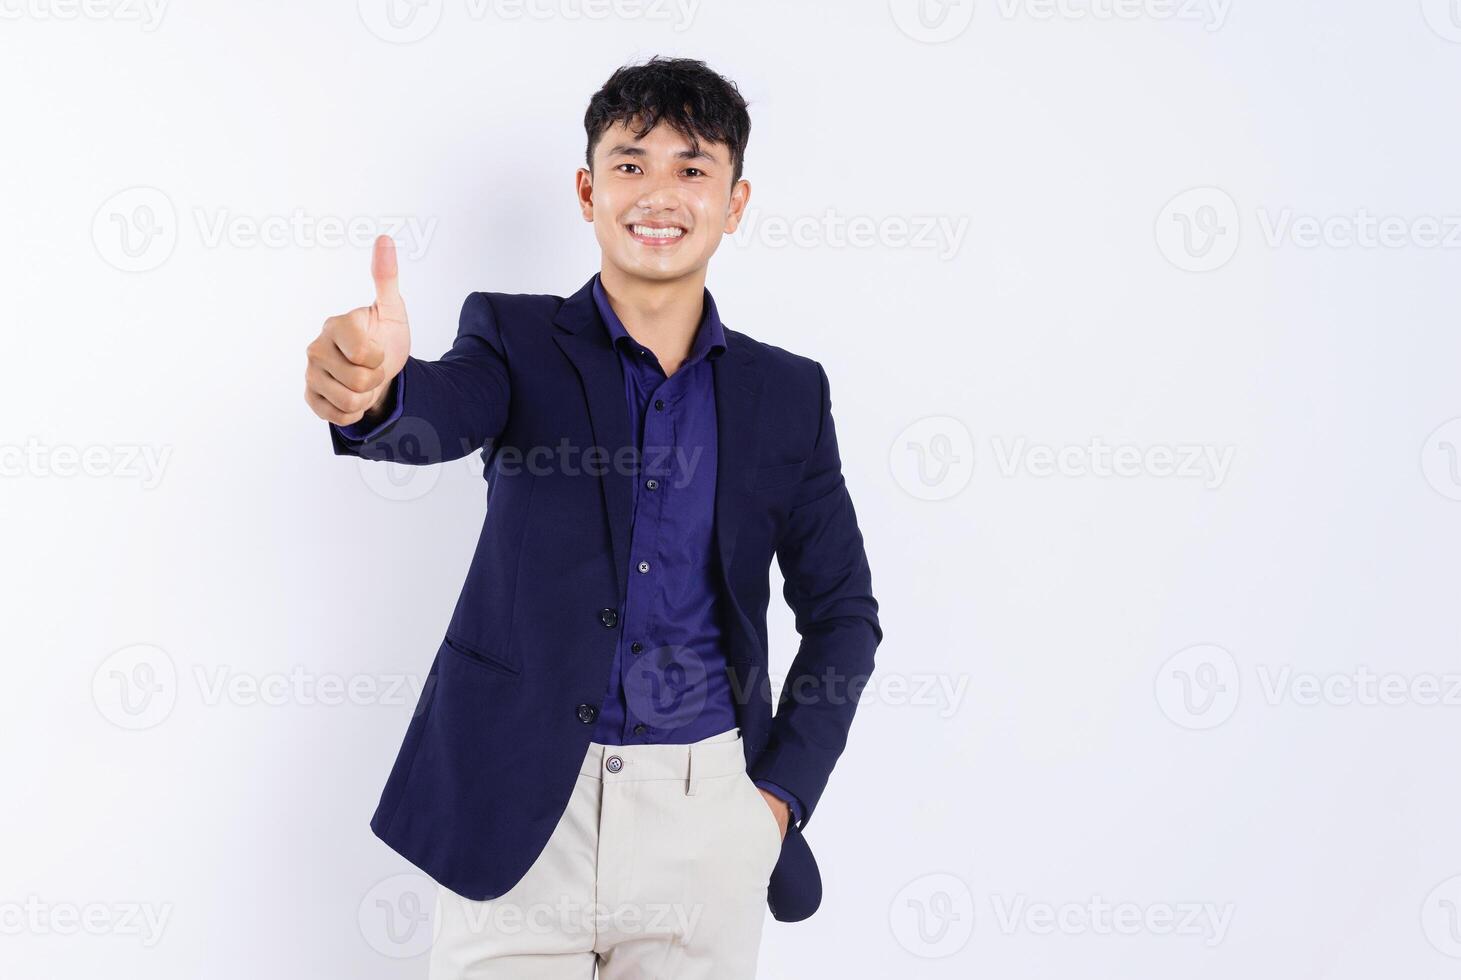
{"points": [[594, 774]]}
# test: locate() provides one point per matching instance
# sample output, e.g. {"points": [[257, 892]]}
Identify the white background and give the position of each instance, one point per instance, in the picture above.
{"points": [[1057, 747]]}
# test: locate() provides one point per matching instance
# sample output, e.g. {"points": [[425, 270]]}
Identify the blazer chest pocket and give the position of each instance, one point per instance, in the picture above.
{"points": [[773, 477]]}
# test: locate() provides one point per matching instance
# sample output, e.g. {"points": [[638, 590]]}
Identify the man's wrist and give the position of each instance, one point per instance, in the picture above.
{"points": [[793, 805]]}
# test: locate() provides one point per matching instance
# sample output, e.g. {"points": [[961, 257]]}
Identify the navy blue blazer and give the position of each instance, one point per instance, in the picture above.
{"points": [[492, 752]]}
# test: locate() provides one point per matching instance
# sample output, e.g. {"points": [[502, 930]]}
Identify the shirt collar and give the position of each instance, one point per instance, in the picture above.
{"points": [[709, 339]]}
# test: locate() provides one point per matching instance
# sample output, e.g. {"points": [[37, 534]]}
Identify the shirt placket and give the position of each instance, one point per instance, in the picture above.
{"points": [[657, 460]]}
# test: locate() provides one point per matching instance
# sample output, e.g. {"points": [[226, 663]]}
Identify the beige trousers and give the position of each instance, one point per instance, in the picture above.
{"points": [[657, 870]]}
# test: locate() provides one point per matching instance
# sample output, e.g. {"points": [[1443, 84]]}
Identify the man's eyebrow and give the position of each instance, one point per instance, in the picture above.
{"points": [[628, 150]]}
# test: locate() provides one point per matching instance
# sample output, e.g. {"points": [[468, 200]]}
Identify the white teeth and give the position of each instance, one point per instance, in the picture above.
{"points": [[649, 232]]}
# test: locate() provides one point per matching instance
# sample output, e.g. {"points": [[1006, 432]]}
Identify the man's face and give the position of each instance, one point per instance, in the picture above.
{"points": [[659, 204]]}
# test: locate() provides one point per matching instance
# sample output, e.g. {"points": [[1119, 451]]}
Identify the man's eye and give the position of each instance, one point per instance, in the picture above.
{"points": [[623, 165], [694, 172]]}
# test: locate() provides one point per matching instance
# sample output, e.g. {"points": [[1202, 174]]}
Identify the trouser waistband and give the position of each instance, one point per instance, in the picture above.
{"points": [[718, 755]]}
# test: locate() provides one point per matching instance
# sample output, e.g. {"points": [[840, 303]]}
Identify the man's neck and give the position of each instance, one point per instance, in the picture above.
{"points": [[662, 316]]}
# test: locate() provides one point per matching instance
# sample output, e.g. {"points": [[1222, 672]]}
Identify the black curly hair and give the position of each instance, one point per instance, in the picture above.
{"points": [[687, 95]]}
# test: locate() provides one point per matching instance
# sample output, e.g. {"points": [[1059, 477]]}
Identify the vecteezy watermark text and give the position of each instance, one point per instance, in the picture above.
{"points": [[937, 21], [409, 21], [1199, 687], [37, 917], [1190, 461], [122, 461], [1207, 921], [942, 234], [147, 13], [1199, 230], [137, 687], [137, 229]]}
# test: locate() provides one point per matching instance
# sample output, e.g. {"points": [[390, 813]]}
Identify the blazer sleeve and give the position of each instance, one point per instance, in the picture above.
{"points": [[829, 588], [444, 409]]}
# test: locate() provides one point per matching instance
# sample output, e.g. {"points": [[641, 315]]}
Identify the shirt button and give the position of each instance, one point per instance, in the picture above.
{"points": [[587, 713], [652, 484], [640, 729], [609, 618], [644, 566], [636, 646], [613, 763], [659, 404]]}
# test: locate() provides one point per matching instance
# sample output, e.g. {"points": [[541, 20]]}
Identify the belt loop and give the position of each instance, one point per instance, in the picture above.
{"points": [[690, 771]]}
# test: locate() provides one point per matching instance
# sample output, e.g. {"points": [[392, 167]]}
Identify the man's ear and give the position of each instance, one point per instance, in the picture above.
{"points": [[740, 194], [583, 182]]}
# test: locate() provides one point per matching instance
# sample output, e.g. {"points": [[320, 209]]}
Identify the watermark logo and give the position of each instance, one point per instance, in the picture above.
{"points": [[932, 917], [933, 458], [1198, 688], [136, 687], [932, 21], [1444, 18], [398, 471], [1440, 917], [139, 686], [666, 686], [1440, 460], [397, 916], [1199, 229], [400, 21], [135, 230]]}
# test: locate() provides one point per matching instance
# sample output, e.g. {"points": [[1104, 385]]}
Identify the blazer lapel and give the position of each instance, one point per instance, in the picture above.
{"points": [[583, 338], [738, 382]]}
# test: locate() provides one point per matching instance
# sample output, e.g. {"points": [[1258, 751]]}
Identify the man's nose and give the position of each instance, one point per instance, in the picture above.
{"points": [[660, 196]]}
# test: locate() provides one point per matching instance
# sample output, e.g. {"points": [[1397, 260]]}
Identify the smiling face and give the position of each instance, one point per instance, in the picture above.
{"points": [[660, 203]]}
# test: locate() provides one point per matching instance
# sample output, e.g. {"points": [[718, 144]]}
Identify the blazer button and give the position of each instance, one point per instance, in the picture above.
{"points": [[609, 618], [587, 713]]}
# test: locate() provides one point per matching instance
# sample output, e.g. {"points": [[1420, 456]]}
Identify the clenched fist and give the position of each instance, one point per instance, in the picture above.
{"points": [[356, 356]]}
